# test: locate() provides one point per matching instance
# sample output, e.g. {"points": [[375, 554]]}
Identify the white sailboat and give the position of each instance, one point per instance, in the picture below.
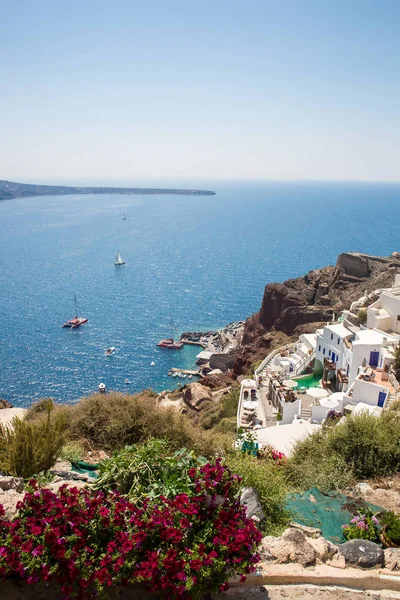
{"points": [[119, 260]]}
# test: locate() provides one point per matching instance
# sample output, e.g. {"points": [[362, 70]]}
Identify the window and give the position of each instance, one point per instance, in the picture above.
{"points": [[329, 352], [319, 348], [323, 351], [331, 336], [338, 341]]}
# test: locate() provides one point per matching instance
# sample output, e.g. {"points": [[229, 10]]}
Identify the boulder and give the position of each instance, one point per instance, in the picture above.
{"points": [[9, 500], [312, 532], [362, 553], [392, 559], [337, 561], [250, 501], [324, 549], [55, 485], [68, 475], [11, 483], [5, 404], [293, 546]]}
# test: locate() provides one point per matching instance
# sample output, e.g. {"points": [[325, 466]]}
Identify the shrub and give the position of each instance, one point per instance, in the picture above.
{"points": [[148, 472], [72, 452], [311, 465], [362, 316], [29, 448], [364, 526], [226, 408], [361, 447], [87, 541], [268, 481], [391, 524], [112, 421]]}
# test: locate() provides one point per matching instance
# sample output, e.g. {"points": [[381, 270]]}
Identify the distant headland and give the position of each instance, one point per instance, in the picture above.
{"points": [[11, 189]]}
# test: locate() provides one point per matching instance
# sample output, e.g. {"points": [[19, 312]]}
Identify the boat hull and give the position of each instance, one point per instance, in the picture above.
{"points": [[170, 344], [74, 323]]}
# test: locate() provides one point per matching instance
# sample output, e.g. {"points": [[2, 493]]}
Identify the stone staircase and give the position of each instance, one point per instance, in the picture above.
{"points": [[302, 364], [305, 413]]}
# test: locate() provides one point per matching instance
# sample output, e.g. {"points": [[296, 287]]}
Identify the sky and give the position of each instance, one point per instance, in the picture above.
{"points": [[128, 90]]}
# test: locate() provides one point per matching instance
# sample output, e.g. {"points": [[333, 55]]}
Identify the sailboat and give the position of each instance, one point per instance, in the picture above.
{"points": [[124, 217], [76, 321], [170, 342], [119, 260]]}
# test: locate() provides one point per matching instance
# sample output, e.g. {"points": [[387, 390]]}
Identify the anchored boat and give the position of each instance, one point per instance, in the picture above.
{"points": [[119, 260], [170, 342], [76, 321]]}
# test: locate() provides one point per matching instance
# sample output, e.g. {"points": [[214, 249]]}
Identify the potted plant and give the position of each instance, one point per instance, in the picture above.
{"points": [[390, 532]]}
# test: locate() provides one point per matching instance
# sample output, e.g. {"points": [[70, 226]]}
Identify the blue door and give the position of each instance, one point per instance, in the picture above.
{"points": [[333, 357], [382, 398], [373, 359]]}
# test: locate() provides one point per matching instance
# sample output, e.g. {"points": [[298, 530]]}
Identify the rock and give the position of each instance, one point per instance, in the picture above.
{"points": [[68, 475], [55, 486], [11, 483], [336, 561], [5, 404], [9, 500], [293, 547], [324, 549], [362, 553], [363, 488], [249, 499], [392, 559], [313, 532]]}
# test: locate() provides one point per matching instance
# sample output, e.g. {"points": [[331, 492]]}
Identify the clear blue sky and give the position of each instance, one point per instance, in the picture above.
{"points": [[156, 89]]}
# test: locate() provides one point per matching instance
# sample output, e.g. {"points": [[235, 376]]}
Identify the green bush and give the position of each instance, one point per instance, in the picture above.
{"points": [[362, 316], [391, 523], [148, 471], [29, 448], [268, 480], [363, 446], [112, 421], [226, 408], [72, 452]]}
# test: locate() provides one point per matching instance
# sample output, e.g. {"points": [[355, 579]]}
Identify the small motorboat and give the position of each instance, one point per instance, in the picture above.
{"points": [[128, 381], [102, 388], [110, 351], [190, 376], [174, 374], [183, 375], [152, 364]]}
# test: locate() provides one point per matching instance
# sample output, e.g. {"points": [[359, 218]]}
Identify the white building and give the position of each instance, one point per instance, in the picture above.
{"points": [[371, 387], [330, 345], [384, 314]]}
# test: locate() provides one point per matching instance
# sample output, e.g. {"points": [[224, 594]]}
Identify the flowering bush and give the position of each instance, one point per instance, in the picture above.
{"points": [[364, 526], [270, 454], [186, 547]]}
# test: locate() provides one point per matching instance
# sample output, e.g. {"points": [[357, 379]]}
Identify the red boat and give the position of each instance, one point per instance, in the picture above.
{"points": [[76, 321], [170, 343]]}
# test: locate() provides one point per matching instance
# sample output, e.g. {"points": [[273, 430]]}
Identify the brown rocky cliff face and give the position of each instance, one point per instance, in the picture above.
{"points": [[300, 305]]}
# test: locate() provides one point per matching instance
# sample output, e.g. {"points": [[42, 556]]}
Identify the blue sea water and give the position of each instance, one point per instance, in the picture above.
{"points": [[203, 260]]}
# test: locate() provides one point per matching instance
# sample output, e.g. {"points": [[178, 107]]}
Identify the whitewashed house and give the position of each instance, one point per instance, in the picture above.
{"points": [[330, 345], [384, 314]]}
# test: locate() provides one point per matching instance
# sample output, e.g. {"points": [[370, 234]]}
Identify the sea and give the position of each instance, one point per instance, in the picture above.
{"points": [[202, 260]]}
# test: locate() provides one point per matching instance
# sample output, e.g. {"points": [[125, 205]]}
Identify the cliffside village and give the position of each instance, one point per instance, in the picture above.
{"points": [[344, 367]]}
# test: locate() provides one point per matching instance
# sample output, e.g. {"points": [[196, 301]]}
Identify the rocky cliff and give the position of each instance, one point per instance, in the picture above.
{"points": [[300, 305]]}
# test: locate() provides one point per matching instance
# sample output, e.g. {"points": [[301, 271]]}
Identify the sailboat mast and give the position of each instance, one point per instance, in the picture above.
{"points": [[76, 308]]}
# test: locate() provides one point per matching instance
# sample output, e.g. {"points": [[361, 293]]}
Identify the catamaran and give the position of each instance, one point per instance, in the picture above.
{"points": [[119, 260], [76, 321]]}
